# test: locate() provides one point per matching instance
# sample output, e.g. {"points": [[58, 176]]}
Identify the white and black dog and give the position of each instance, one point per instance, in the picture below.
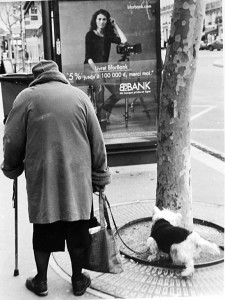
{"points": [[177, 242]]}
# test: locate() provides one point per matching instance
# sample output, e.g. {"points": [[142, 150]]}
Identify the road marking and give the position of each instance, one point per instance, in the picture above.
{"points": [[208, 160], [204, 111]]}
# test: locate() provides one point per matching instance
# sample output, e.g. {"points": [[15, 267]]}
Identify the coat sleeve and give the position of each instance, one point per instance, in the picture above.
{"points": [[14, 140]]}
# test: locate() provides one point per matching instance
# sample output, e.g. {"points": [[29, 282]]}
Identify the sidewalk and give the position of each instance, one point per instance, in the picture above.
{"points": [[132, 196], [137, 281], [144, 281]]}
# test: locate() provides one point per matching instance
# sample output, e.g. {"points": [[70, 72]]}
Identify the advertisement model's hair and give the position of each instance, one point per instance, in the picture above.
{"points": [[108, 28]]}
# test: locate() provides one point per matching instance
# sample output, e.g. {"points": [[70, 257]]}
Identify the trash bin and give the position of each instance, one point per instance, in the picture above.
{"points": [[12, 85]]}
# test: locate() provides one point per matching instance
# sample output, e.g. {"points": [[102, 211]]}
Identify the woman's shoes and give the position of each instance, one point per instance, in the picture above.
{"points": [[39, 288], [79, 287]]}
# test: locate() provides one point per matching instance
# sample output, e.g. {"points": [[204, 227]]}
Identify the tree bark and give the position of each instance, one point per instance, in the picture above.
{"points": [[174, 188]]}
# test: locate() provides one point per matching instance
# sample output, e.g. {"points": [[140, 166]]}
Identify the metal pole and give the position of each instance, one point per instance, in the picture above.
{"points": [[15, 206], [47, 32], [126, 111], [22, 37]]}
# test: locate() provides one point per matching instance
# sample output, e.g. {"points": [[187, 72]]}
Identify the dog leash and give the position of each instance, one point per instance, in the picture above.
{"points": [[117, 231]]}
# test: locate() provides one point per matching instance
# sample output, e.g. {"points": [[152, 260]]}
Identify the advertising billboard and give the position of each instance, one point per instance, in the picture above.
{"points": [[109, 50]]}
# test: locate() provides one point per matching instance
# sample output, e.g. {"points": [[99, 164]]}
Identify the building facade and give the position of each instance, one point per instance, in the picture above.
{"points": [[213, 23], [21, 33], [213, 26], [166, 10]]}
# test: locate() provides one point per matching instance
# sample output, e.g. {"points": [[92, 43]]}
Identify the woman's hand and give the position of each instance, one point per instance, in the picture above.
{"points": [[119, 31], [113, 22], [98, 188]]}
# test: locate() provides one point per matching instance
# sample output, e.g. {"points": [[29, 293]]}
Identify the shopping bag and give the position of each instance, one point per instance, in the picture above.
{"points": [[103, 254]]}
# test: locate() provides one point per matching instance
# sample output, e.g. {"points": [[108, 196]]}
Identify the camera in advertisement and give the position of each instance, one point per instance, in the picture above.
{"points": [[127, 49]]}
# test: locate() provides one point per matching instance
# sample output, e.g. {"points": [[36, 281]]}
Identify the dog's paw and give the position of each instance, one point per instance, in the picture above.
{"points": [[152, 257], [187, 272], [164, 255]]}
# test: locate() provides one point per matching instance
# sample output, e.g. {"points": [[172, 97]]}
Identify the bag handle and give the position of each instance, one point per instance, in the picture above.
{"points": [[103, 213]]}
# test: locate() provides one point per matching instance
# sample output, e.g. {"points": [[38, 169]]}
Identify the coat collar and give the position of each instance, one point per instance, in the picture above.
{"points": [[45, 71], [49, 76]]}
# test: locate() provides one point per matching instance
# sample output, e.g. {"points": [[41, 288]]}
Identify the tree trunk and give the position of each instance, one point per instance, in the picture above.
{"points": [[174, 189]]}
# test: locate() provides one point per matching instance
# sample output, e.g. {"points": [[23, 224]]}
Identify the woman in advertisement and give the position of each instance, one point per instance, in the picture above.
{"points": [[103, 32]]}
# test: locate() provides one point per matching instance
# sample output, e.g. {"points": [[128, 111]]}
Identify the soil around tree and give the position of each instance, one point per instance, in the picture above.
{"points": [[136, 233]]}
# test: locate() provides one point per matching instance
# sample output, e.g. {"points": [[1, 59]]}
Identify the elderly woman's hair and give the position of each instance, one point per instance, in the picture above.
{"points": [[108, 28]]}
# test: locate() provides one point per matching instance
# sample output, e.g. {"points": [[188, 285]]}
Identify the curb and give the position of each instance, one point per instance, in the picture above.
{"points": [[90, 291], [208, 150], [218, 63]]}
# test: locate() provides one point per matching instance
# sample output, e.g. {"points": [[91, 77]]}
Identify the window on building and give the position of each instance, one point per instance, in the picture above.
{"points": [[34, 18], [33, 10]]}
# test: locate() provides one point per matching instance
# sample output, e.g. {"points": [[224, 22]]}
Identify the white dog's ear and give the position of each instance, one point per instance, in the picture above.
{"points": [[151, 243], [156, 209]]}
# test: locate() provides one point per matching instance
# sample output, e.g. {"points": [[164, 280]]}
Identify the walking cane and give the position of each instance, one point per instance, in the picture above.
{"points": [[14, 199]]}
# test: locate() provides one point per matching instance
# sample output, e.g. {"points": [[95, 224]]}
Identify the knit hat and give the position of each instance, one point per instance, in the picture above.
{"points": [[43, 66]]}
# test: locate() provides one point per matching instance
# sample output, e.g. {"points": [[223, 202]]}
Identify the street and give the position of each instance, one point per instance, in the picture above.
{"points": [[207, 113], [208, 101]]}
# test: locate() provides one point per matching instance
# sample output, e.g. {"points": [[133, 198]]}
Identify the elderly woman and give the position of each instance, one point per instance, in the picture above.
{"points": [[53, 134]]}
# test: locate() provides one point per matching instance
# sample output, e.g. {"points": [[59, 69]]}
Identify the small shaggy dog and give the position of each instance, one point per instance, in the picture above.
{"points": [[182, 245]]}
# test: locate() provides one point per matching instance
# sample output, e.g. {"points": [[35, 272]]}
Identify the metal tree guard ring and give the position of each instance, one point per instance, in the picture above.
{"points": [[170, 265]]}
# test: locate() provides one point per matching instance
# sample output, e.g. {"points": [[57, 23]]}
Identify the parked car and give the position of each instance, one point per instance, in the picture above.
{"points": [[203, 45], [217, 44]]}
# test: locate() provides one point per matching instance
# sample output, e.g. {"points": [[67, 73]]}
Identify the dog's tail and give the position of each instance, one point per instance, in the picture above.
{"points": [[204, 245]]}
